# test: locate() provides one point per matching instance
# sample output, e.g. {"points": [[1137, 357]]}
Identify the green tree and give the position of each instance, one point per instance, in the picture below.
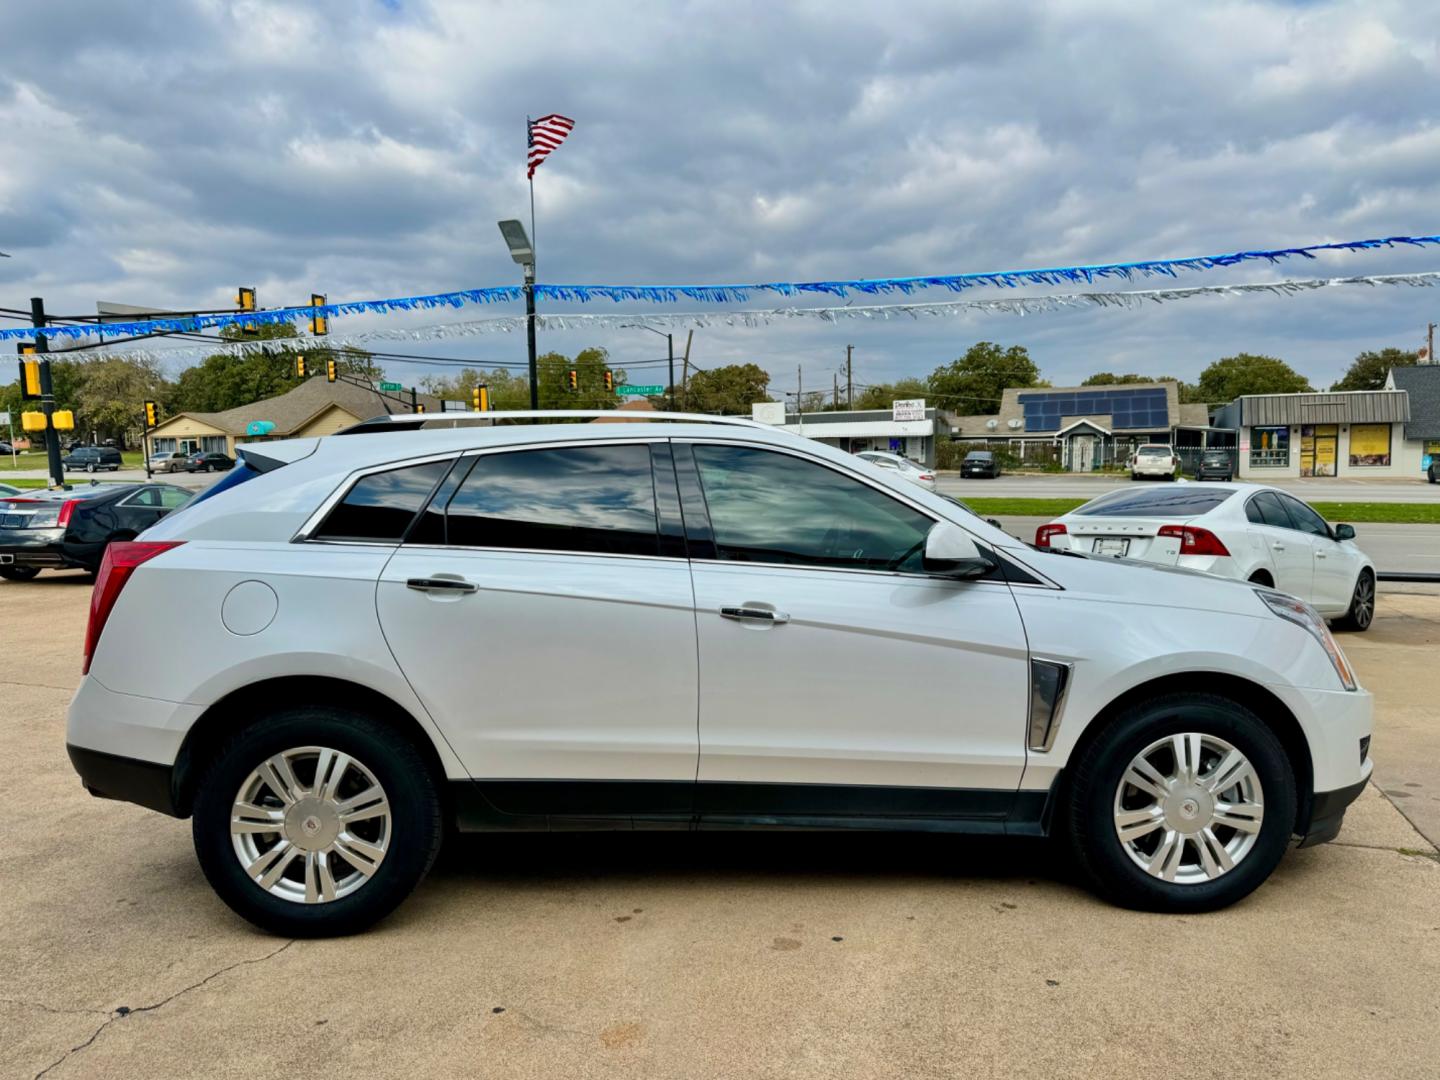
{"points": [[882, 395], [1106, 378], [507, 390], [728, 390], [1246, 373], [111, 395], [227, 380], [1369, 370], [973, 383], [590, 366]]}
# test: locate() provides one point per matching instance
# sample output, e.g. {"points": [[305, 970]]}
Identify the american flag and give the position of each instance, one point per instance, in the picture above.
{"points": [[543, 136]]}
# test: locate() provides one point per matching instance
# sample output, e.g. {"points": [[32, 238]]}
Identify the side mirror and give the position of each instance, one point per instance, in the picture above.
{"points": [[949, 552], [1344, 532]]}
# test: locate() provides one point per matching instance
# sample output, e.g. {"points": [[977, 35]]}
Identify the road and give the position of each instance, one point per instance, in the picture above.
{"points": [[1074, 486], [658, 955]]}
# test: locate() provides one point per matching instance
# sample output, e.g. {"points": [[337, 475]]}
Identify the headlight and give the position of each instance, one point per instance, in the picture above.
{"points": [[1303, 615]]}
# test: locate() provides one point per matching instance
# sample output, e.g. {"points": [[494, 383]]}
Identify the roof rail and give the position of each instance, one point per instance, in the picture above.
{"points": [[417, 421]]}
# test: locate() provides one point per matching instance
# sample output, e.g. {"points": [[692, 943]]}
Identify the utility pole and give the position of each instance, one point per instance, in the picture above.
{"points": [[413, 400], [670, 348], [849, 378], [835, 391], [685, 370], [800, 396], [1430, 343], [47, 395]]}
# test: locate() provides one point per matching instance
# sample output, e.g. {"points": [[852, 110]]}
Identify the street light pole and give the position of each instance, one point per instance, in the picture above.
{"points": [[523, 252]]}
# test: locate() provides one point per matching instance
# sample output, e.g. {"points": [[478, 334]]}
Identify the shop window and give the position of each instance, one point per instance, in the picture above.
{"points": [[1269, 447], [1369, 445]]}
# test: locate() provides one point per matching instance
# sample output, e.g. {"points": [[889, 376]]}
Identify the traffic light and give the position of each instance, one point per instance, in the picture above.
{"points": [[62, 420], [319, 324], [299, 366], [480, 398], [329, 370], [29, 376], [152, 414], [609, 381], [573, 379], [419, 408], [245, 301]]}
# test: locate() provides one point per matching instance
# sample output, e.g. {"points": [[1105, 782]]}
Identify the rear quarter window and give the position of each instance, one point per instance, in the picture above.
{"points": [[1170, 502], [379, 507]]}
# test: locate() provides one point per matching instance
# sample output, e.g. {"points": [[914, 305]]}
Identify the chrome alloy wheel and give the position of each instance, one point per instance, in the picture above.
{"points": [[310, 825], [1362, 606], [1188, 808]]}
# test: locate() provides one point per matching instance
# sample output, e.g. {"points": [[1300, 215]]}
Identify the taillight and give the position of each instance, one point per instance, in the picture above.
{"points": [[118, 563], [1045, 532], [927, 476], [66, 509], [1195, 541]]}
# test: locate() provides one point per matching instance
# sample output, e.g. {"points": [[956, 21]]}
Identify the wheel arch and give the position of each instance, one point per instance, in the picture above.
{"points": [[1273, 712], [228, 715]]}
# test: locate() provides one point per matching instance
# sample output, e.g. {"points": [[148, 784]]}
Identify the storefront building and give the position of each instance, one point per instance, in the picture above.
{"points": [[908, 428], [1354, 433], [1422, 433]]}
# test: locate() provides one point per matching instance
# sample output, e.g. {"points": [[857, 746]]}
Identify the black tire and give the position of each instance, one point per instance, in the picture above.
{"points": [[1362, 605], [19, 573], [1089, 803], [90, 468], [397, 766]]}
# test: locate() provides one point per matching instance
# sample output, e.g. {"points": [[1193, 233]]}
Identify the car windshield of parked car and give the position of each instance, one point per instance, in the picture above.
{"points": [[1169, 501], [1154, 451], [775, 508]]}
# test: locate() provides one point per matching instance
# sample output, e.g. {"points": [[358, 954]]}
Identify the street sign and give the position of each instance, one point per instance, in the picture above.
{"points": [[4, 419], [639, 391], [446, 405], [391, 386], [911, 409]]}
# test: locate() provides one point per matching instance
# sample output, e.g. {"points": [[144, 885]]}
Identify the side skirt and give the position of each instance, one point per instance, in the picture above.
{"points": [[581, 805]]}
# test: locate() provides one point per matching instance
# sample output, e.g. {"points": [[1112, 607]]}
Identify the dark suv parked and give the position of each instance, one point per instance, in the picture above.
{"points": [[1215, 465], [58, 530], [92, 459]]}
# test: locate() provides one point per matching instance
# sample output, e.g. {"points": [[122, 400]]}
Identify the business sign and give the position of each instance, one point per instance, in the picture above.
{"points": [[391, 386], [639, 391], [4, 419], [259, 427], [910, 409], [447, 405], [768, 412]]}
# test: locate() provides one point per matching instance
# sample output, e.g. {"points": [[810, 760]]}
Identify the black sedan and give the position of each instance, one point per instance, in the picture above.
{"points": [[981, 463], [58, 530], [213, 461]]}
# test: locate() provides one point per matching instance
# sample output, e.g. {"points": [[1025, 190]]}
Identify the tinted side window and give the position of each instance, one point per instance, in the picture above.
{"points": [[596, 499], [1306, 520], [1270, 510], [381, 505], [771, 507]]}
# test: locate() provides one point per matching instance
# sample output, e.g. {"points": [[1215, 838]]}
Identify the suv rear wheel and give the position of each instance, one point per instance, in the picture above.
{"points": [[316, 821], [1184, 803]]}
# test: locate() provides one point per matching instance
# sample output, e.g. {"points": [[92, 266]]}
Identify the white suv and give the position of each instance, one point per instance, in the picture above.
{"points": [[1153, 459], [680, 624]]}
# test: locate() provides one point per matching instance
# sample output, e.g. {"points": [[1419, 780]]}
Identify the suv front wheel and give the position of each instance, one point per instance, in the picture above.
{"points": [[316, 821], [1183, 803]]}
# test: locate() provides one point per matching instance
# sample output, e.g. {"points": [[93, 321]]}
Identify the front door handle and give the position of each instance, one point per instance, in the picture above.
{"points": [[440, 584], [755, 614], [1278, 547]]}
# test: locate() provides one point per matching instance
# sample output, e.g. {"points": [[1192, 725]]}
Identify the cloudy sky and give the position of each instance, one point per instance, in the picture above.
{"points": [[162, 153]]}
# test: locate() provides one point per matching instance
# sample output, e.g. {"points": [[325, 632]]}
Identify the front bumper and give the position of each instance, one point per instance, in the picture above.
{"points": [[1327, 813]]}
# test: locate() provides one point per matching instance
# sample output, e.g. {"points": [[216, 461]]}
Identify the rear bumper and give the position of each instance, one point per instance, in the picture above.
{"points": [[1327, 813], [110, 776], [40, 554]]}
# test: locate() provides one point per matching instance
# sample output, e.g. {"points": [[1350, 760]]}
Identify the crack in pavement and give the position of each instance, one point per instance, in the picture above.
{"points": [[40, 685], [122, 1012], [50, 1008]]}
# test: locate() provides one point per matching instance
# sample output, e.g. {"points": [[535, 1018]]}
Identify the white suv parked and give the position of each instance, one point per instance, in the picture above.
{"points": [[374, 635]]}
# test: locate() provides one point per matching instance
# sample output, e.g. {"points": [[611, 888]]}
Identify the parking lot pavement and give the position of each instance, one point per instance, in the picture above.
{"points": [[706, 955]]}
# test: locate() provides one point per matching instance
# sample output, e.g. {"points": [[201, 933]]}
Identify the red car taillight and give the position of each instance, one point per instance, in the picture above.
{"points": [[927, 476], [1045, 532], [118, 563], [1195, 541], [66, 509]]}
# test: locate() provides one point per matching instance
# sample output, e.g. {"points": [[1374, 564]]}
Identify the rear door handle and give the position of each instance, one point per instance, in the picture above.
{"points": [[1278, 547], [436, 584], [755, 614]]}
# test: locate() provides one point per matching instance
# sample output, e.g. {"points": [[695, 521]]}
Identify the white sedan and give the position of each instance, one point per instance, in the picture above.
{"points": [[1244, 531], [910, 470]]}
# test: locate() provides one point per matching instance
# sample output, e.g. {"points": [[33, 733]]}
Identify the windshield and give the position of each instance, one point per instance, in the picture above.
{"points": [[1185, 502], [1154, 451], [979, 455]]}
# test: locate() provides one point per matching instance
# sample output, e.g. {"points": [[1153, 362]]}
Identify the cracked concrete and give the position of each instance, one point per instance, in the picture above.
{"points": [[953, 958]]}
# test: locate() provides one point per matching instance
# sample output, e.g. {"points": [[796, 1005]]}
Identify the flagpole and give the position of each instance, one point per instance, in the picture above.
{"points": [[530, 281], [531, 175]]}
